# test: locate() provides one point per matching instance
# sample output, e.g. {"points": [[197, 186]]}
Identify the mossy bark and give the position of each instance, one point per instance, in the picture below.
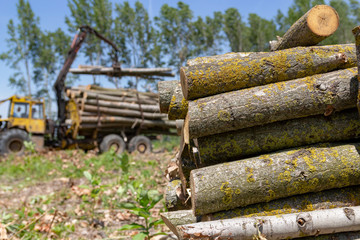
{"points": [[166, 91], [344, 197], [286, 226], [230, 146], [178, 106], [269, 177], [201, 80], [318, 94], [314, 26]]}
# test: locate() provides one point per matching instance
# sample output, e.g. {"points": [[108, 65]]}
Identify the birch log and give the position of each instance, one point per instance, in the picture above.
{"points": [[166, 91], [230, 146], [285, 226], [318, 94], [178, 106], [269, 177], [201, 80], [314, 26], [345, 197]]}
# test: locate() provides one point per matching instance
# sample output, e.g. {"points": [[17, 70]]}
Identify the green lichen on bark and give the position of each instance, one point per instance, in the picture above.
{"points": [[229, 74], [277, 175], [242, 143], [273, 102]]}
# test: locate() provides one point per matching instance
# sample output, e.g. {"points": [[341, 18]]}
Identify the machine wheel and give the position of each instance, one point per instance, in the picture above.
{"points": [[112, 141], [12, 141], [141, 144]]}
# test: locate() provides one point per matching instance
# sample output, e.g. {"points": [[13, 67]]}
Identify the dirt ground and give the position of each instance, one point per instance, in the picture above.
{"points": [[64, 213]]}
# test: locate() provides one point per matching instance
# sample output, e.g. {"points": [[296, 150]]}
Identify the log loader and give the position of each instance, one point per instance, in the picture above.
{"points": [[27, 121]]}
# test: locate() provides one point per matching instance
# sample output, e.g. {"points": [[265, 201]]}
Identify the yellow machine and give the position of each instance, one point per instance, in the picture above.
{"points": [[26, 117]]}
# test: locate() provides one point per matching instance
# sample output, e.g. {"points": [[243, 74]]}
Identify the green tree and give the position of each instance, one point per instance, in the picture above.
{"points": [[49, 58], [213, 33], [175, 25], [22, 40], [262, 31], [236, 31], [100, 19]]}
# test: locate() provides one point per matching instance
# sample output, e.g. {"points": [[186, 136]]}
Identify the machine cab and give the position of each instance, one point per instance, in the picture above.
{"points": [[25, 113]]}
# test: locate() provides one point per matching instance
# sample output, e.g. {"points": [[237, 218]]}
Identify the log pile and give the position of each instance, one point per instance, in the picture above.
{"points": [[105, 109], [269, 144]]}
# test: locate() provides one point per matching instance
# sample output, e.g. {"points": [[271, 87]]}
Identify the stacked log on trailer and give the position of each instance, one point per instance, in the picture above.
{"points": [[107, 109], [270, 144]]}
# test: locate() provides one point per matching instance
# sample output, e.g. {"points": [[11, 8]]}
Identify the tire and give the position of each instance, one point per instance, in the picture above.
{"points": [[140, 144], [12, 141], [112, 140]]}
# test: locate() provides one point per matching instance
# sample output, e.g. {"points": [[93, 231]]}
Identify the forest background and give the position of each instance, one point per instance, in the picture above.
{"points": [[33, 55]]}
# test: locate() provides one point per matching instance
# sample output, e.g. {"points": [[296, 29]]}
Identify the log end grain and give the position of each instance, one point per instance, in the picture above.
{"points": [[184, 82], [323, 20]]}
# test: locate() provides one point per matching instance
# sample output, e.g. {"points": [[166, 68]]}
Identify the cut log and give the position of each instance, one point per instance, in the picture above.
{"points": [[208, 79], [134, 106], [123, 90], [319, 94], [222, 57], [126, 120], [285, 226], [179, 126], [229, 146], [314, 26], [174, 197], [113, 72], [277, 175], [335, 198], [123, 112], [356, 32], [146, 101], [178, 105], [166, 91]]}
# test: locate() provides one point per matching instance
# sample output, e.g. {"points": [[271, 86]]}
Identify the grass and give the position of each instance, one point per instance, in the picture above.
{"points": [[73, 195]]}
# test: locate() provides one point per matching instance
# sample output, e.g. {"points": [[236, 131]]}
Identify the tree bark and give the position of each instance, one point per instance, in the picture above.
{"points": [[319, 94], [285, 226], [179, 126], [126, 120], [335, 198], [230, 146], [222, 57], [133, 106], [174, 197], [113, 72], [166, 91], [314, 26], [178, 106], [130, 99], [278, 175], [123, 112], [201, 80]]}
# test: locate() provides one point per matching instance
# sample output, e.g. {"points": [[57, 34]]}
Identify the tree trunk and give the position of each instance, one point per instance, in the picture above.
{"points": [[178, 105], [208, 79], [123, 112], [314, 26], [319, 94], [344, 197], [222, 57], [278, 175], [166, 91], [235, 145], [134, 106], [285, 226], [179, 126], [90, 95]]}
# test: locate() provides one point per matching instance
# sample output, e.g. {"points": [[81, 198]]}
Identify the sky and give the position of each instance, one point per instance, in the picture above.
{"points": [[52, 16]]}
